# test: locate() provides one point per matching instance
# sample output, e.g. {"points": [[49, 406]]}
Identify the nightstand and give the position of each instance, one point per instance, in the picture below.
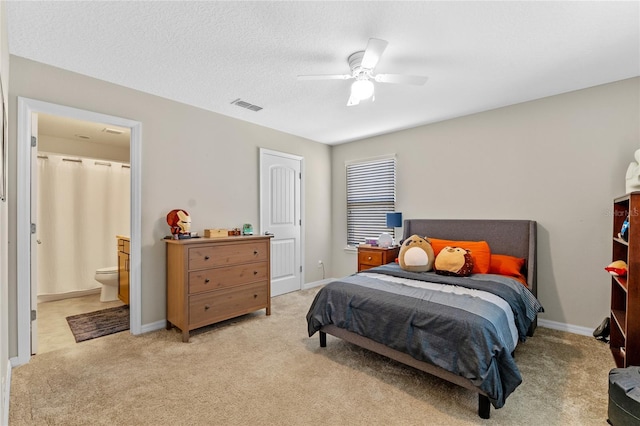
{"points": [[368, 257]]}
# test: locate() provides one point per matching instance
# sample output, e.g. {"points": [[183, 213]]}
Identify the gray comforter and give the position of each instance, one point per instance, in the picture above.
{"points": [[466, 335]]}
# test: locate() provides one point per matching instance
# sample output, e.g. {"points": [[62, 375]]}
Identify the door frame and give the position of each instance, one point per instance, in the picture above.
{"points": [[26, 107], [262, 152]]}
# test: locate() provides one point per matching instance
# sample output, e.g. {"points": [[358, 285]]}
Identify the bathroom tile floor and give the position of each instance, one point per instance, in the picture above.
{"points": [[53, 330]]}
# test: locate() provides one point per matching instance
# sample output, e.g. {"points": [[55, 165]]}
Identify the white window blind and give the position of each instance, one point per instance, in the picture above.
{"points": [[371, 193]]}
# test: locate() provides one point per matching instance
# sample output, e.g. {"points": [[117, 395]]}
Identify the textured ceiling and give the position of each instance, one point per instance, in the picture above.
{"points": [[477, 55]]}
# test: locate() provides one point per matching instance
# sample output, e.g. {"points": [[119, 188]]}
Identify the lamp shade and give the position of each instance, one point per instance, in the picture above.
{"points": [[394, 220], [362, 89]]}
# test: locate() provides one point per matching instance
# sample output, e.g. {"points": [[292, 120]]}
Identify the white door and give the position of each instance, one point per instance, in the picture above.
{"points": [[280, 215], [34, 236]]}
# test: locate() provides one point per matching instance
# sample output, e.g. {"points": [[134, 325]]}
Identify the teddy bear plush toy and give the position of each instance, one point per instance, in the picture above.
{"points": [[416, 254], [454, 261]]}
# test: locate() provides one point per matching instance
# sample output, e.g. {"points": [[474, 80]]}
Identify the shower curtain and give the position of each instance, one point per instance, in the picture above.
{"points": [[82, 205]]}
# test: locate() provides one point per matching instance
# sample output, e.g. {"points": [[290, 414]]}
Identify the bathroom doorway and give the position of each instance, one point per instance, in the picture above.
{"points": [[82, 202], [26, 227]]}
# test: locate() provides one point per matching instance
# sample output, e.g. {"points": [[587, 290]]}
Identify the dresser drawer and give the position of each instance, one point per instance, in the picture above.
{"points": [[363, 267], [214, 306], [227, 276], [227, 254], [373, 258]]}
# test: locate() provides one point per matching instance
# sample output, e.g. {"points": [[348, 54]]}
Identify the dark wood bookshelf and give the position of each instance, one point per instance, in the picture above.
{"points": [[625, 291]]}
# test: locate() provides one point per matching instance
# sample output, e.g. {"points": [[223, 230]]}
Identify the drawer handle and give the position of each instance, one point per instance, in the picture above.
{"points": [[255, 272], [255, 296], [206, 307], [369, 258], [206, 280], [255, 252], [206, 258]]}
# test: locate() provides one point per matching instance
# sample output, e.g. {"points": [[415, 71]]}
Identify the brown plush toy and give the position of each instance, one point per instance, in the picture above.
{"points": [[454, 261], [416, 254]]}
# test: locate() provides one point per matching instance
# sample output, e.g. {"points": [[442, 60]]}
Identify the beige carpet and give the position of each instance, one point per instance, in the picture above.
{"points": [[259, 370]]}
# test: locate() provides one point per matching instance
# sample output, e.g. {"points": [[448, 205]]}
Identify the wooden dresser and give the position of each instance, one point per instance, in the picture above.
{"points": [[213, 279]]}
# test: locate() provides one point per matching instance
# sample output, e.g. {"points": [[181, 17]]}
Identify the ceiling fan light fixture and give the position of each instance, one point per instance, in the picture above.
{"points": [[362, 64], [362, 89]]}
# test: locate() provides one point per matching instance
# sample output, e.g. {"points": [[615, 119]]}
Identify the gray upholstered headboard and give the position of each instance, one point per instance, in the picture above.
{"points": [[512, 237]]}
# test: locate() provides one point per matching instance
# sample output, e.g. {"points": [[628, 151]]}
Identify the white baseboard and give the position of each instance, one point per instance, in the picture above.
{"points": [[575, 329], [317, 283], [5, 393], [145, 328], [15, 361], [554, 325], [53, 297]]}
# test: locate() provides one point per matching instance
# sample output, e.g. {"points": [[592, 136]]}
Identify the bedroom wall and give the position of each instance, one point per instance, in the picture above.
{"points": [[65, 146], [204, 162], [559, 160]]}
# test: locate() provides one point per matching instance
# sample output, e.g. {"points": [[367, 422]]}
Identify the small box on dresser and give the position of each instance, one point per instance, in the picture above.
{"points": [[214, 279]]}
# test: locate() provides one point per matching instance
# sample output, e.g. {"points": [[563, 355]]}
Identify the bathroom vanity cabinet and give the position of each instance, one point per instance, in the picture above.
{"points": [[214, 279], [123, 268]]}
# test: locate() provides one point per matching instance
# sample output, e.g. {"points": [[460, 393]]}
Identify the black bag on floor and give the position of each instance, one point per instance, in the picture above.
{"points": [[602, 332]]}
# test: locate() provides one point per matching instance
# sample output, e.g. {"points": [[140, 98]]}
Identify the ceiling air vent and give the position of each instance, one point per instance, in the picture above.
{"points": [[246, 105]]}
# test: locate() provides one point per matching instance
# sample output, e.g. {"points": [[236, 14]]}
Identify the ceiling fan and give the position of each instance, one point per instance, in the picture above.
{"points": [[362, 64]]}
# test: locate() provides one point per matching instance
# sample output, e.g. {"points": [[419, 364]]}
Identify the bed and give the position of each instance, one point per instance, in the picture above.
{"points": [[430, 322]]}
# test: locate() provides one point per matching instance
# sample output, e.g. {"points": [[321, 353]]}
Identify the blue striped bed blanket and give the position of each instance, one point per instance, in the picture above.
{"points": [[468, 326]]}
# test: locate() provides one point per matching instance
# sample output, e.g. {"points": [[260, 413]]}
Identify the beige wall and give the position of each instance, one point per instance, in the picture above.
{"points": [[559, 160], [65, 146], [194, 159]]}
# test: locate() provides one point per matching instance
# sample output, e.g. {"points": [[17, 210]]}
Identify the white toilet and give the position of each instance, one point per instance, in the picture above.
{"points": [[108, 277]]}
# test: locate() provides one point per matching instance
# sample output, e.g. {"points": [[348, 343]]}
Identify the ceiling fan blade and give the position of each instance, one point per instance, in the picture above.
{"points": [[325, 77], [416, 80], [372, 53], [353, 100]]}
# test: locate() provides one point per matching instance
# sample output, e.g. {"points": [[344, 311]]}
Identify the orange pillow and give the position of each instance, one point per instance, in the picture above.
{"points": [[480, 252], [507, 265]]}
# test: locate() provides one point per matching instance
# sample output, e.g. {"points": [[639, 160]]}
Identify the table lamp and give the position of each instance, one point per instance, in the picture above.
{"points": [[394, 220]]}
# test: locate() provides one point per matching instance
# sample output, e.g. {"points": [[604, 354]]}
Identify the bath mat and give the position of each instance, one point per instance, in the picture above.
{"points": [[99, 323]]}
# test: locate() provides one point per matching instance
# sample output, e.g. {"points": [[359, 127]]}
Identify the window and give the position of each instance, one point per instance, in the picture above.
{"points": [[371, 194]]}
